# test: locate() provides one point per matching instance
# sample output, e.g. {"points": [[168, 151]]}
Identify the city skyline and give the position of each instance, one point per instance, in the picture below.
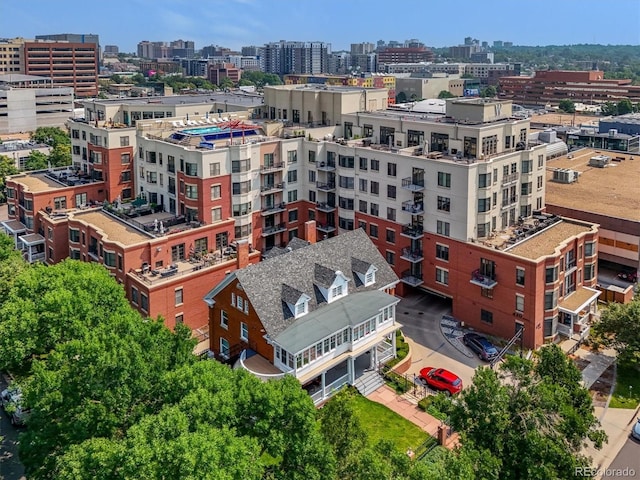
{"points": [[237, 23]]}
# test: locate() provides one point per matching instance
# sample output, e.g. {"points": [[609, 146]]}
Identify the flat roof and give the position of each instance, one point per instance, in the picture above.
{"points": [[37, 182], [613, 191], [232, 98], [546, 242], [114, 230], [579, 299]]}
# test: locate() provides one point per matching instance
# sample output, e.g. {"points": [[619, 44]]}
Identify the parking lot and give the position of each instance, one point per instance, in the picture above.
{"points": [[420, 314]]}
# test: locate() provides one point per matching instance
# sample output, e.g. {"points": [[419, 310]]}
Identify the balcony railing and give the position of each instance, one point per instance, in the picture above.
{"points": [[413, 184], [326, 166], [272, 187], [271, 167], [482, 280], [323, 227], [412, 278], [325, 186], [325, 207], [412, 231], [273, 229], [507, 202], [412, 255], [271, 209], [511, 178], [414, 208]]}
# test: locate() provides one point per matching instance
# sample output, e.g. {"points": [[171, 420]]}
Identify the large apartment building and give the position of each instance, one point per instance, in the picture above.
{"points": [[454, 203], [286, 57]]}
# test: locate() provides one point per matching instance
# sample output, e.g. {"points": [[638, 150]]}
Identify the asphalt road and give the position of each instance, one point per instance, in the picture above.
{"points": [[10, 466], [627, 458]]}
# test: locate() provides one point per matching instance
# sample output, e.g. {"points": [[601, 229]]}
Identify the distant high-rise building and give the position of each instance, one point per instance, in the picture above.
{"points": [[182, 48], [12, 58], [74, 38], [405, 55], [464, 51], [219, 71], [497, 44], [68, 64], [362, 48], [111, 50], [214, 51], [285, 57], [508, 44]]}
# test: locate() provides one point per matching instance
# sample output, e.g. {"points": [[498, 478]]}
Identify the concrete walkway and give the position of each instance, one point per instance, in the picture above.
{"points": [[598, 363]]}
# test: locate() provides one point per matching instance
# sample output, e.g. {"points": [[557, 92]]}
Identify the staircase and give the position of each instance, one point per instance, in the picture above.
{"points": [[368, 382]]}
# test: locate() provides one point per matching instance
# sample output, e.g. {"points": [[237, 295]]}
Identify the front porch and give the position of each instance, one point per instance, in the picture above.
{"points": [[32, 246], [14, 229], [576, 313]]}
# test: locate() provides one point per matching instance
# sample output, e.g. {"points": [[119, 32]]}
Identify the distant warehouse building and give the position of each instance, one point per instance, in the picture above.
{"points": [[628, 124]]}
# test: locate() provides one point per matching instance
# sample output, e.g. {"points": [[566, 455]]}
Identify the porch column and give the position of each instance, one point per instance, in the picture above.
{"points": [[322, 383], [393, 343], [372, 357], [351, 370]]}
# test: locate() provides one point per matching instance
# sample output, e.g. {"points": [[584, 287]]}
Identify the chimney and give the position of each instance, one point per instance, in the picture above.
{"points": [[310, 234], [243, 253]]}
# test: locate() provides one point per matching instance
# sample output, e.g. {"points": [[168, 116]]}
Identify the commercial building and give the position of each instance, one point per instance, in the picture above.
{"points": [[20, 150], [11, 55], [324, 313], [553, 86], [628, 124], [285, 57], [364, 80], [28, 102], [219, 71], [405, 55], [68, 64], [417, 88]]}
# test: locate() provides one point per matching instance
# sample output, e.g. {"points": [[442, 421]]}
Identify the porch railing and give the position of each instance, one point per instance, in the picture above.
{"points": [[336, 384]]}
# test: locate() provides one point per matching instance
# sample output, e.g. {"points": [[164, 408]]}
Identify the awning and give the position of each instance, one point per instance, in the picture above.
{"points": [[579, 300]]}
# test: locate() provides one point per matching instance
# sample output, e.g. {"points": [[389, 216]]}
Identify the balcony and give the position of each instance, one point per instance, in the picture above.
{"points": [[325, 187], [412, 256], [326, 166], [271, 188], [509, 179], [413, 184], [411, 278], [325, 207], [323, 227], [274, 167], [508, 202], [271, 209], [413, 231], [414, 208], [273, 229], [482, 280]]}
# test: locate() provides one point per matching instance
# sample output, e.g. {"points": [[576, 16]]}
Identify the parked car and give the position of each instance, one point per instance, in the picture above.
{"points": [[11, 401], [628, 275], [441, 379], [635, 432], [481, 346], [10, 395]]}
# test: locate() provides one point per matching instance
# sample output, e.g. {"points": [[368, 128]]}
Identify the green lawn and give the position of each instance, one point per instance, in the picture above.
{"points": [[623, 396], [381, 423]]}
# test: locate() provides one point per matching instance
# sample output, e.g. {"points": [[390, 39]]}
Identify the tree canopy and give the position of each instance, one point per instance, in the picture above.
{"points": [[619, 328], [7, 167], [567, 106], [445, 94]]}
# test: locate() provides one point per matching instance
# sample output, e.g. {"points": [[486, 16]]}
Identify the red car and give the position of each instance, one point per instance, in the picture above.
{"points": [[441, 379]]}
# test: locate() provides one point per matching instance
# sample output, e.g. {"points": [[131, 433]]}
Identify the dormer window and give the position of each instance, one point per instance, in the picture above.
{"points": [[370, 278], [301, 308], [337, 291]]}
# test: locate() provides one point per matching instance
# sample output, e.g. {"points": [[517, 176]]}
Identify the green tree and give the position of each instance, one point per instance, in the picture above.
{"points": [[567, 106], [625, 106], [531, 421], [115, 78], [609, 108], [489, 91], [401, 97], [36, 161], [11, 265], [225, 83], [60, 155], [7, 167], [445, 94], [260, 79], [52, 136], [138, 79], [619, 328]]}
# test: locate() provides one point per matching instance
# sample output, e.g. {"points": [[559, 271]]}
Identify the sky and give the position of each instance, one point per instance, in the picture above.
{"points": [[236, 23]]}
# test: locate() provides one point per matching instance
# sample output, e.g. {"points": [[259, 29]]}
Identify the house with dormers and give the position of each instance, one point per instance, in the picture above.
{"points": [[325, 313]]}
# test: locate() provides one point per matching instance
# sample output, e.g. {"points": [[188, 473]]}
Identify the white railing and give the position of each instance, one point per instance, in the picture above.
{"points": [[564, 330], [335, 385], [317, 397], [261, 376], [385, 352]]}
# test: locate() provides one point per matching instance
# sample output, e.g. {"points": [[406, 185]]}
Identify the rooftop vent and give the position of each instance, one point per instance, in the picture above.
{"points": [[565, 175], [599, 161]]}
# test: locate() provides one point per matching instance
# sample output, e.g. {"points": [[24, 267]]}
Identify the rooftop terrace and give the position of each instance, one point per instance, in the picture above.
{"points": [[52, 179], [613, 191]]}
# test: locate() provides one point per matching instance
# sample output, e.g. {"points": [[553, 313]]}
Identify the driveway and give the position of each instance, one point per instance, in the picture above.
{"points": [[10, 466], [420, 314]]}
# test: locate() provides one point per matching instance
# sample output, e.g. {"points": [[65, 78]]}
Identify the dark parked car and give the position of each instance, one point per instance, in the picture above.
{"points": [[441, 379], [480, 345]]}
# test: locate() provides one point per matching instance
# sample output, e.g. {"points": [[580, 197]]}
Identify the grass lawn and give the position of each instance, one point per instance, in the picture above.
{"points": [[381, 423], [623, 396]]}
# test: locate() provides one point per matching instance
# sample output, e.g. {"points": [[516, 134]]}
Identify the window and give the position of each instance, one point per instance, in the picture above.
{"points": [[292, 156], [191, 191], [293, 233], [390, 257], [336, 291], [346, 182], [124, 141], [110, 259], [312, 176], [74, 235], [519, 303], [240, 188], [362, 206], [292, 196], [240, 303], [214, 169], [526, 188], [540, 161], [346, 162], [244, 331], [125, 158], [375, 188], [171, 164], [520, 276], [178, 296], [216, 214], [486, 292], [391, 214], [373, 230], [484, 180], [179, 319], [484, 205], [442, 252], [363, 185], [486, 316], [444, 179], [292, 176], [144, 302], [224, 319], [550, 300], [134, 294], [241, 209], [551, 274], [527, 166], [364, 163], [442, 276], [391, 191], [444, 204], [239, 166], [312, 197], [312, 156], [589, 249], [442, 228], [224, 348], [391, 236], [293, 215], [216, 192], [373, 209], [375, 165], [345, 223], [391, 169], [589, 271]]}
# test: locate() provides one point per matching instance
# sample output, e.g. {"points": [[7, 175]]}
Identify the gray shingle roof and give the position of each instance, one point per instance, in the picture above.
{"points": [[290, 295], [323, 276], [262, 282], [359, 266]]}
